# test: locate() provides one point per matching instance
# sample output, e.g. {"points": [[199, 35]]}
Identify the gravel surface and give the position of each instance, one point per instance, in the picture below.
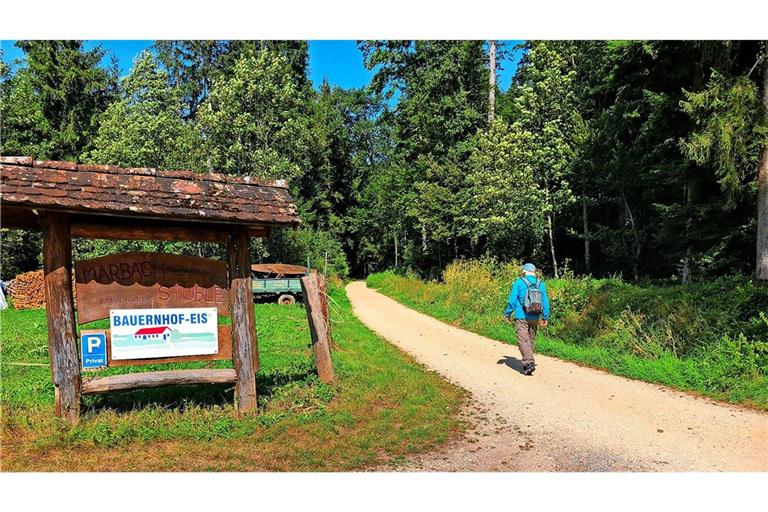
{"points": [[565, 417]]}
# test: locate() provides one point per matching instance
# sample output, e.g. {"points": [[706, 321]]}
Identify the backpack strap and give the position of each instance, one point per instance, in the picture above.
{"points": [[528, 284]]}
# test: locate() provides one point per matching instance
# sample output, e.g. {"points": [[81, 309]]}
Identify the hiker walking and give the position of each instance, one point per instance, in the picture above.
{"points": [[529, 302]]}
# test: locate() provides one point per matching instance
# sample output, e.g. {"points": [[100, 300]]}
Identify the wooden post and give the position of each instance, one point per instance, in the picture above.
{"points": [[60, 311], [317, 328], [322, 287], [244, 345]]}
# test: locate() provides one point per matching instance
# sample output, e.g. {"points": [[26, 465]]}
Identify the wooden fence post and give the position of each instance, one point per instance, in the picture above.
{"points": [[317, 328], [322, 286], [60, 312], [244, 345]]}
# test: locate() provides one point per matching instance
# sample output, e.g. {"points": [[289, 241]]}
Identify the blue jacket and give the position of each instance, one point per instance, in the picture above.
{"points": [[517, 299]]}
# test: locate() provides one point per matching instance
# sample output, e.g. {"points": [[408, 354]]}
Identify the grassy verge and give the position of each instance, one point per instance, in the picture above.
{"points": [[385, 407], [671, 335]]}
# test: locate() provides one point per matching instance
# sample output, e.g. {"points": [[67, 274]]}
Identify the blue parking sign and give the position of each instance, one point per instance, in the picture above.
{"points": [[94, 349]]}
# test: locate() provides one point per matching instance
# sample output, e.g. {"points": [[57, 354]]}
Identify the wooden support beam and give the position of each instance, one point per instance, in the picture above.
{"points": [[159, 231], [60, 311], [261, 232], [157, 379], [144, 232], [245, 351], [317, 328]]}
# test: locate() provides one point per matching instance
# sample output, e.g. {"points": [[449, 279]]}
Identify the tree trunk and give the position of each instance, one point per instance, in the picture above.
{"points": [[762, 190], [396, 250], [636, 236], [685, 274], [492, 81], [552, 245], [585, 220], [690, 193]]}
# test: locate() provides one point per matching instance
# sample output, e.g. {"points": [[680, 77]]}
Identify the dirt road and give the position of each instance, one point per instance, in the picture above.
{"points": [[565, 417]]}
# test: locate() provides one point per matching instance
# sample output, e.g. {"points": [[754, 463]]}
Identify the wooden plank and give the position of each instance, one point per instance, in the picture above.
{"points": [[149, 280], [224, 353], [317, 329], [139, 232], [157, 379], [60, 312], [259, 232], [244, 343]]}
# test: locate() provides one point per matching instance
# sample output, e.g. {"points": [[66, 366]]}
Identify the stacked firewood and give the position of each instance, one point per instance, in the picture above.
{"points": [[28, 290]]}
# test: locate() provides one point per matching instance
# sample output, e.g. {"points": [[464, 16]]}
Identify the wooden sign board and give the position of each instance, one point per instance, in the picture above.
{"points": [[143, 280], [224, 353]]}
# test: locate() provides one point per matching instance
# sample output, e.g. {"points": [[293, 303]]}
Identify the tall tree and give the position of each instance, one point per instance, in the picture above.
{"points": [[256, 121], [144, 127], [762, 186], [504, 209], [643, 194], [295, 53], [193, 66], [349, 147], [70, 88], [544, 104], [728, 137], [25, 129], [442, 103]]}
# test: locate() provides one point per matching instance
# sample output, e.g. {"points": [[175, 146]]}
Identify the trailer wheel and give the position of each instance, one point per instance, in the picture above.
{"points": [[286, 299]]}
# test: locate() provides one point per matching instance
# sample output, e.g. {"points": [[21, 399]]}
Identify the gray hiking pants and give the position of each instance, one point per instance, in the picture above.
{"points": [[526, 338]]}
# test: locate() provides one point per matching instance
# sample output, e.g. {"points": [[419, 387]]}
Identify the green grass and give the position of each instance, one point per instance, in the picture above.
{"points": [[385, 406], [631, 330]]}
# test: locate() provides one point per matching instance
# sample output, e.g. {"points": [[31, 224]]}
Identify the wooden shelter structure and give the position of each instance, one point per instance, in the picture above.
{"points": [[66, 199]]}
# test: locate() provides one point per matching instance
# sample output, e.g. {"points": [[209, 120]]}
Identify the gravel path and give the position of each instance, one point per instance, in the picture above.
{"points": [[565, 417]]}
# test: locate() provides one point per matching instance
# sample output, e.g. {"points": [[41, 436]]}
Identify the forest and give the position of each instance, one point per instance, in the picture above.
{"points": [[631, 159]]}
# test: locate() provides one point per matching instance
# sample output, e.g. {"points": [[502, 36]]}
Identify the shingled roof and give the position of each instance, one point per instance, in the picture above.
{"points": [[144, 193]]}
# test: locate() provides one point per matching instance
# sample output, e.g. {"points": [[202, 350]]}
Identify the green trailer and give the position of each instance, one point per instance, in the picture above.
{"points": [[277, 281]]}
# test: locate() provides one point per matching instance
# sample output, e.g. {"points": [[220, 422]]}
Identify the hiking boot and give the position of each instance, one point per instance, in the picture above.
{"points": [[529, 368]]}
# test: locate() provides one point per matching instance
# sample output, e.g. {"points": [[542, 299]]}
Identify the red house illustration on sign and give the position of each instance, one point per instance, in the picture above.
{"points": [[153, 333]]}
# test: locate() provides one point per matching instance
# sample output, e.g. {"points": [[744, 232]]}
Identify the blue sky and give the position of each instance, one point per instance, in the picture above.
{"points": [[339, 61]]}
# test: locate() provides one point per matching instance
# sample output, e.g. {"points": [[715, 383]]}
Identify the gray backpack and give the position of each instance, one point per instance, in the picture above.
{"points": [[533, 304]]}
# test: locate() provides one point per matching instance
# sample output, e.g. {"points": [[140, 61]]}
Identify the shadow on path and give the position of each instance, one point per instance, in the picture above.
{"points": [[512, 362]]}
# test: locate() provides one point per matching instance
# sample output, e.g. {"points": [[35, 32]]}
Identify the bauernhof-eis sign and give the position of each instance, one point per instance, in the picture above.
{"points": [[169, 332]]}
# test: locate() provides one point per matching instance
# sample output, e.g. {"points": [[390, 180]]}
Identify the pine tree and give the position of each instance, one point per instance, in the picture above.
{"points": [[67, 87]]}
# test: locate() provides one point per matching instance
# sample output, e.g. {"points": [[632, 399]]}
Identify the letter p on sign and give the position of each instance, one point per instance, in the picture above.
{"points": [[94, 342], [94, 349]]}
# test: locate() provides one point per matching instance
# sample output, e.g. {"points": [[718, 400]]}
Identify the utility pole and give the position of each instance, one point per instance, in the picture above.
{"points": [[492, 81]]}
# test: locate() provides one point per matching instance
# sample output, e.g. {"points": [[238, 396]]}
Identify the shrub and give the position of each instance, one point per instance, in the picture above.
{"points": [[472, 285]]}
